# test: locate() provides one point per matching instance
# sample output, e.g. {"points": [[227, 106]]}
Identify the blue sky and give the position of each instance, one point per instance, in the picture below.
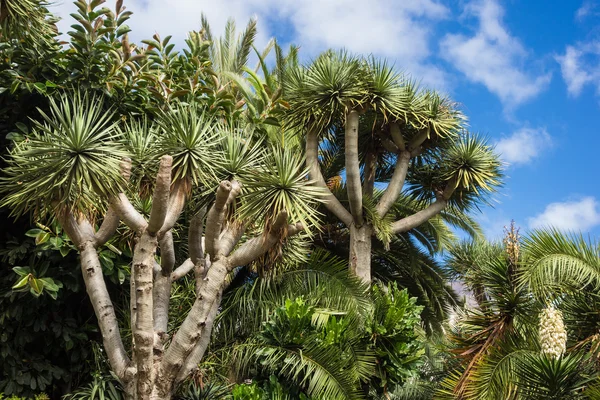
{"points": [[526, 73]]}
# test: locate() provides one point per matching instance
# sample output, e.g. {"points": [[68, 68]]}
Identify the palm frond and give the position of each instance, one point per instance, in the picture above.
{"points": [[555, 261]]}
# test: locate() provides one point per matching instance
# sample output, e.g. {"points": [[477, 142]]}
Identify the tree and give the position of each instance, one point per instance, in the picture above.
{"points": [[412, 140], [75, 167]]}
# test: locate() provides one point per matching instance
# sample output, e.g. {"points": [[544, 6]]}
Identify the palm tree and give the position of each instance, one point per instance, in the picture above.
{"points": [[489, 337]]}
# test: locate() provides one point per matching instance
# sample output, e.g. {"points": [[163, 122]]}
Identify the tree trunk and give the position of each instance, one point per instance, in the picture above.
{"points": [[360, 251], [153, 372]]}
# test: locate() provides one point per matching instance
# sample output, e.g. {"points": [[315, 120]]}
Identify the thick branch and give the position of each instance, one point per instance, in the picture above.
{"points": [[69, 224], [103, 308], [85, 227], [160, 199], [258, 246], [191, 329], [396, 135], [200, 270], [176, 204], [195, 237], [312, 162], [182, 270], [215, 218], [419, 138], [230, 238], [127, 213], [389, 145], [353, 184], [418, 218], [161, 290], [108, 228], [143, 330], [191, 363], [123, 207], [392, 192], [188, 342], [236, 189], [369, 172]]}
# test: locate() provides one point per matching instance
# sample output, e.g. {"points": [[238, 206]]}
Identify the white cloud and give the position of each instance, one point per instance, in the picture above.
{"points": [[579, 66], [493, 57], [587, 9], [524, 145], [398, 30], [578, 215]]}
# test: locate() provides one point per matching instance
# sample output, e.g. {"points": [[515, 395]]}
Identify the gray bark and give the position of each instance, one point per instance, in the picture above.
{"points": [[143, 330], [360, 252], [153, 372], [127, 213], [192, 361], [182, 270], [394, 189], [109, 226], [397, 137], [312, 162], [370, 170], [418, 218], [353, 183], [161, 290], [215, 218], [103, 308], [176, 204], [190, 331], [160, 199], [195, 238]]}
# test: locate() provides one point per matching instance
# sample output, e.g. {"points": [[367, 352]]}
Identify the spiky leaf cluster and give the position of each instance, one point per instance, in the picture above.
{"points": [[280, 184], [71, 159]]}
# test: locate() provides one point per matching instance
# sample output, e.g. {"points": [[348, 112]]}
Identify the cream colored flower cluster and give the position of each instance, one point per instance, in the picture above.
{"points": [[553, 336]]}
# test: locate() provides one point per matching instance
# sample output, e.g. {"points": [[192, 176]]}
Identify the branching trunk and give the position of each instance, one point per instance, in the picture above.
{"points": [[153, 372]]}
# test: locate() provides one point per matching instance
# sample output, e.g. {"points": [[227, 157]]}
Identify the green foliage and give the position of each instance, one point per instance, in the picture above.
{"points": [[560, 262], [206, 391], [329, 343], [41, 396], [102, 387], [307, 327], [68, 161], [392, 330], [191, 137], [248, 392], [44, 339], [543, 377], [281, 185], [271, 389], [468, 165]]}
